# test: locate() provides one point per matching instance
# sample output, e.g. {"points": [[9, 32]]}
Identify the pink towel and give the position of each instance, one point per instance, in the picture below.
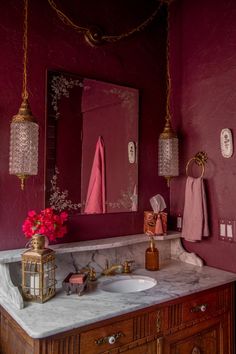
{"points": [[195, 224], [134, 199], [95, 201]]}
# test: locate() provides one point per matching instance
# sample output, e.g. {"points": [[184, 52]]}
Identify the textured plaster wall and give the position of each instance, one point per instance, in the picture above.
{"points": [[137, 62], [203, 66]]}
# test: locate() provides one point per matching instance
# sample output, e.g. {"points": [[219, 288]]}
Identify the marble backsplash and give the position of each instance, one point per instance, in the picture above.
{"points": [[74, 262], [74, 257]]}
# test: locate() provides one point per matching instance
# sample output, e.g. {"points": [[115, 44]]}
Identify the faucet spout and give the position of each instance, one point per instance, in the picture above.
{"points": [[116, 268]]}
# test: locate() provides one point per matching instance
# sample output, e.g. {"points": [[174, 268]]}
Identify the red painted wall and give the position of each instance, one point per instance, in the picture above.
{"points": [[137, 62], [203, 66]]}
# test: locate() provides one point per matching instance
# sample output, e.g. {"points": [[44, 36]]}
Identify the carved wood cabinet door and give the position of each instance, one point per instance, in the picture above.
{"points": [[209, 341]]}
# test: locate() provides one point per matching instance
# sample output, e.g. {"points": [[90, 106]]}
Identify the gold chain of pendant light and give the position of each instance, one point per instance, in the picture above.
{"points": [[168, 79], [94, 34], [168, 131], [25, 51]]}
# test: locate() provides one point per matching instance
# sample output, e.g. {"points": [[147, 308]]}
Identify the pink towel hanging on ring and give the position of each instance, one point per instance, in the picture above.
{"points": [[95, 200], [195, 223]]}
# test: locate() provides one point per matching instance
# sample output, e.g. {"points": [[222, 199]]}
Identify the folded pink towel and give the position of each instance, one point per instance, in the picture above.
{"points": [[195, 224], [95, 201]]}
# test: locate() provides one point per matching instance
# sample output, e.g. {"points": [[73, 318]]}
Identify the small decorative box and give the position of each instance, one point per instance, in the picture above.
{"points": [[75, 283]]}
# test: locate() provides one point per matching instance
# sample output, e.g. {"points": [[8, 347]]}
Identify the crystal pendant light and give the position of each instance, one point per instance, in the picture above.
{"points": [[23, 161], [168, 154]]}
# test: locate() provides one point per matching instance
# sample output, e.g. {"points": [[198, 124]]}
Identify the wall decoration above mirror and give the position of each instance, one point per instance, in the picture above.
{"points": [[91, 145]]}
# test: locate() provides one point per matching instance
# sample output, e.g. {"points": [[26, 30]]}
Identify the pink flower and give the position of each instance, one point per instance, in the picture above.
{"points": [[45, 223], [64, 216], [31, 213]]}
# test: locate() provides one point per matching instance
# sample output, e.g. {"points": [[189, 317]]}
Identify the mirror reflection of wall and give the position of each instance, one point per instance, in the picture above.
{"points": [[91, 145]]}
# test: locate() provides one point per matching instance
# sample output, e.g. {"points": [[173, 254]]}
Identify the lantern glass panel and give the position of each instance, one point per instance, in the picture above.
{"points": [[38, 275]]}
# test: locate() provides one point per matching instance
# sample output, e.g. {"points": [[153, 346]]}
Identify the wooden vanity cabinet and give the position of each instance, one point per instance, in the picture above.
{"points": [[134, 333], [200, 323], [197, 324], [209, 339]]}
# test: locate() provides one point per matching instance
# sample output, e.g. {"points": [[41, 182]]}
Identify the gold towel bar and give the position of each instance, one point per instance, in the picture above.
{"points": [[200, 159]]}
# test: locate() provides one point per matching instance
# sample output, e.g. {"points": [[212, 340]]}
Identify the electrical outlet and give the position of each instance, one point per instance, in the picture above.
{"points": [[222, 229], [230, 230]]}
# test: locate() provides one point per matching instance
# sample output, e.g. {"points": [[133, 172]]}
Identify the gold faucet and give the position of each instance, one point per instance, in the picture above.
{"points": [[90, 273], [127, 266], [118, 268]]}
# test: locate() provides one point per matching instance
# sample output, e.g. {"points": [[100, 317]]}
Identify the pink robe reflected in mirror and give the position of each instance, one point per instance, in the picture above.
{"points": [[95, 200]]}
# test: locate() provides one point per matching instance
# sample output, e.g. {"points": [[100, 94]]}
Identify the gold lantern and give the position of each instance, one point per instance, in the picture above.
{"points": [[38, 271]]}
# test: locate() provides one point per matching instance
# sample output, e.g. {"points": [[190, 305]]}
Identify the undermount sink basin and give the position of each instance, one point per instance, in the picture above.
{"points": [[128, 284]]}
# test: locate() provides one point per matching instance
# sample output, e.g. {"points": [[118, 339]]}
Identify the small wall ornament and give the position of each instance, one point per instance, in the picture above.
{"points": [[226, 143]]}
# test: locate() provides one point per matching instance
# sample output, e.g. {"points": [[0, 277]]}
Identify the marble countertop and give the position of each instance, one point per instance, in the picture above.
{"points": [[62, 313]]}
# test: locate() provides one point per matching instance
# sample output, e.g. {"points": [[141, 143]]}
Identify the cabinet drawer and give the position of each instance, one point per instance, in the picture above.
{"points": [[196, 308], [104, 338], [200, 306]]}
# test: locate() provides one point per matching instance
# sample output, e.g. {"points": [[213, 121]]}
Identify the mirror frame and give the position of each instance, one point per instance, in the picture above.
{"points": [[51, 172]]}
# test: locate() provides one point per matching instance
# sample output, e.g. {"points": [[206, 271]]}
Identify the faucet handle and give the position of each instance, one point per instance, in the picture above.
{"points": [[92, 274], [127, 266], [106, 264]]}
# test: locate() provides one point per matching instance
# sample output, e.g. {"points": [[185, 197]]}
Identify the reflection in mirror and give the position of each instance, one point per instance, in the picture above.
{"points": [[91, 145]]}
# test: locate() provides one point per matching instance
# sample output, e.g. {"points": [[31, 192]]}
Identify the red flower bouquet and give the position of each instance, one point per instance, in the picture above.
{"points": [[46, 223]]}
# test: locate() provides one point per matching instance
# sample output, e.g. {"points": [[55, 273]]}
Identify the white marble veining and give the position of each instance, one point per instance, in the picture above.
{"points": [[8, 290], [98, 258], [11, 256], [77, 256], [179, 253], [175, 279]]}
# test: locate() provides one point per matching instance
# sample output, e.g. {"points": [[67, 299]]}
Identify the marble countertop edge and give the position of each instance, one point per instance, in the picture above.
{"points": [[119, 313], [43, 334], [63, 313]]}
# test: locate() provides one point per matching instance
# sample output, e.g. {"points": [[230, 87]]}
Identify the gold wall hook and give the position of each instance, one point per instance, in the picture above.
{"points": [[200, 159]]}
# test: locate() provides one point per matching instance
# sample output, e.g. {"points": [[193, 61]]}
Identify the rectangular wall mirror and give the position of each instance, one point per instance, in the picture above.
{"points": [[91, 145]]}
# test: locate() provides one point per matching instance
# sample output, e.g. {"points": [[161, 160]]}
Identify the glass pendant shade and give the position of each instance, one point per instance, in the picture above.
{"points": [[23, 144], [168, 162]]}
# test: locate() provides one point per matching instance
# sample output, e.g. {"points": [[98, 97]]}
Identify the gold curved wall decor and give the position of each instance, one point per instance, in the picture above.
{"points": [[94, 34]]}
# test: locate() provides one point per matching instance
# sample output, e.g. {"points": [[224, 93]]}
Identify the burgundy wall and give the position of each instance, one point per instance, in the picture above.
{"points": [[203, 66], [137, 62]]}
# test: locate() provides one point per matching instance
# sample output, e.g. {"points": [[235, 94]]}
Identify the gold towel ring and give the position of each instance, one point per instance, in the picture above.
{"points": [[200, 159], [199, 164]]}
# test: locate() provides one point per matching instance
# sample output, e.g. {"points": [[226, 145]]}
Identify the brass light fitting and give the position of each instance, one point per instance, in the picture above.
{"points": [[23, 161]]}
